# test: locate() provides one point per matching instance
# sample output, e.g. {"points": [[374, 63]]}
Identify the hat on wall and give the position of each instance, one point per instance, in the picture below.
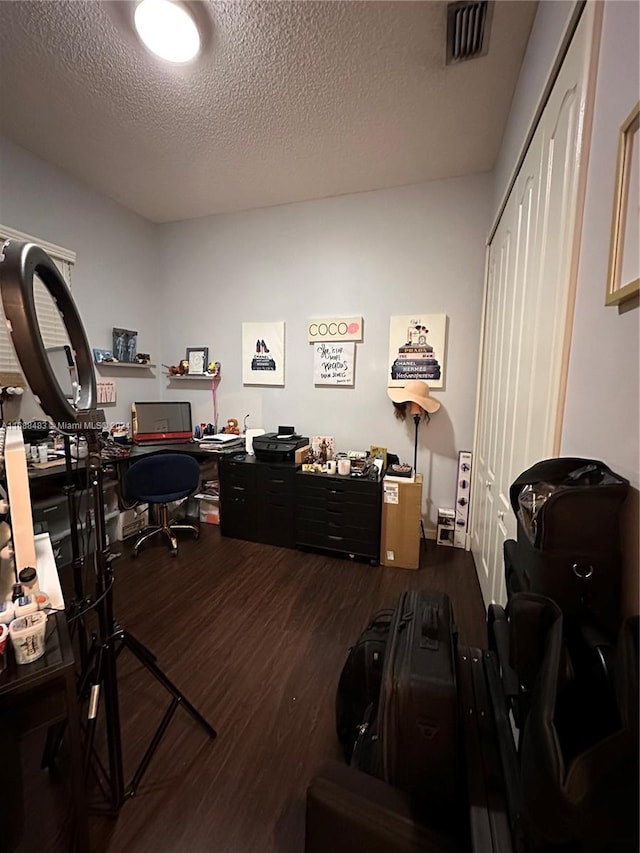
{"points": [[415, 391]]}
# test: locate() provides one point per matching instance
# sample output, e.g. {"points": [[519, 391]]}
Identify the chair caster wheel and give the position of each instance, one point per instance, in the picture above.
{"points": [[196, 535], [134, 555], [174, 552]]}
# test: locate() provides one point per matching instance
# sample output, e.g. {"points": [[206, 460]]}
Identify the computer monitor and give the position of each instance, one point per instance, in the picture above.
{"points": [[154, 423]]}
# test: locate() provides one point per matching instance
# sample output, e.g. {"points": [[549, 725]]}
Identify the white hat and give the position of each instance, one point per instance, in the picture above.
{"points": [[415, 391]]}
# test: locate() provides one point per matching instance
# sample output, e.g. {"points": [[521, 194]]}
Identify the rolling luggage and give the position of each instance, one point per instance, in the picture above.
{"points": [[411, 739], [359, 685]]}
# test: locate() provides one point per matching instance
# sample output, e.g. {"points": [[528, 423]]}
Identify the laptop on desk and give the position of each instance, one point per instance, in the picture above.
{"points": [[163, 423]]}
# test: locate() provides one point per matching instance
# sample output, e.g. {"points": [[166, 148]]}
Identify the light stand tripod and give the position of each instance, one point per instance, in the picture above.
{"points": [[19, 263], [100, 672], [76, 609], [416, 420]]}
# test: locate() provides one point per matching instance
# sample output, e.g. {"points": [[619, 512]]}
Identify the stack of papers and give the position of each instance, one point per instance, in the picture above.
{"points": [[221, 442], [221, 438]]}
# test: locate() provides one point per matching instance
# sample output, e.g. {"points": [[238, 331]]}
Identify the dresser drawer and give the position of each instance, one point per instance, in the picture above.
{"points": [[338, 514], [336, 542], [313, 484], [358, 515], [319, 527]]}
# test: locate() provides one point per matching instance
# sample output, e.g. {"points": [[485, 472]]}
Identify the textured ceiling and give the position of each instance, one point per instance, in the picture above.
{"points": [[289, 101]]}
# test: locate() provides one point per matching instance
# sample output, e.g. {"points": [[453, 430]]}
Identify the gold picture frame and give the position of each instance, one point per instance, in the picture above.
{"points": [[625, 220]]}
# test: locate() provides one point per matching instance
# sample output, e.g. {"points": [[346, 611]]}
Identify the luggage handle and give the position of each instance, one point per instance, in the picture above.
{"points": [[429, 638], [381, 618]]}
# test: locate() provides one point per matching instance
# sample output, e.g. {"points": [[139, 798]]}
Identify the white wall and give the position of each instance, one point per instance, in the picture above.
{"points": [[117, 270], [547, 32], [376, 254], [601, 414], [602, 407], [399, 251]]}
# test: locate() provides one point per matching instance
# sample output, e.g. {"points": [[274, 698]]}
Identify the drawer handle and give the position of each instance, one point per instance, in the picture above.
{"points": [[335, 511], [335, 491], [337, 538], [277, 481], [238, 488]]}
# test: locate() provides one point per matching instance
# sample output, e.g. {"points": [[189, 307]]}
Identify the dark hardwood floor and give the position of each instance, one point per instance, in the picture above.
{"points": [[255, 636]]}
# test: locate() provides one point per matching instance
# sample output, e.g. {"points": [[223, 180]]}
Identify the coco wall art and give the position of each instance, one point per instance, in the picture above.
{"points": [[263, 353], [417, 349]]}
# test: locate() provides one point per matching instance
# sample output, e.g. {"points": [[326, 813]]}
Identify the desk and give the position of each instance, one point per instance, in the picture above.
{"points": [[44, 692], [50, 508]]}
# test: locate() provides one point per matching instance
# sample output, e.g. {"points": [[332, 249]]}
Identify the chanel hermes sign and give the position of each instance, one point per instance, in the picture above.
{"points": [[335, 329]]}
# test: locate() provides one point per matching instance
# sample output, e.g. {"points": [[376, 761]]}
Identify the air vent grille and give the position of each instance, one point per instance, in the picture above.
{"points": [[467, 30]]}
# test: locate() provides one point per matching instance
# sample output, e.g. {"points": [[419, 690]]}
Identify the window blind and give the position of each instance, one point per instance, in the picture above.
{"points": [[51, 326]]}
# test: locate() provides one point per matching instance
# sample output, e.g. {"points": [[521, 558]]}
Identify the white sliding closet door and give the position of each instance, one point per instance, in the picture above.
{"points": [[529, 308]]}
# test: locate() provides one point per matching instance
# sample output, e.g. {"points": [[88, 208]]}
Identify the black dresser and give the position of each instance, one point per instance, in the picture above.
{"points": [[339, 514], [257, 500]]}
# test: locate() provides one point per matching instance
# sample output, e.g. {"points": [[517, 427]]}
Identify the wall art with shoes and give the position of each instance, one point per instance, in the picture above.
{"points": [[263, 353]]}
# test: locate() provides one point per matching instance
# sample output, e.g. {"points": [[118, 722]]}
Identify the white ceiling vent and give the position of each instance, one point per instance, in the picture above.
{"points": [[468, 24]]}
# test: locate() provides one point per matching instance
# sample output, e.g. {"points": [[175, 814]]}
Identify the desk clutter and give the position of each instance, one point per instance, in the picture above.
{"points": [[321, 457], [23, 623]]}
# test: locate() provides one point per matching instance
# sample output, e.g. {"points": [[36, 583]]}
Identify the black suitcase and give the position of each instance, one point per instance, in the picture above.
{"points": [[359, 684], [412, 742]]}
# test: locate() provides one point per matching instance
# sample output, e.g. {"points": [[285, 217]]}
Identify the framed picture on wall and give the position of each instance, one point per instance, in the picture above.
{"points": [[417, 349], [263, 353], [125, 344], [624, 253], [198, 358]]}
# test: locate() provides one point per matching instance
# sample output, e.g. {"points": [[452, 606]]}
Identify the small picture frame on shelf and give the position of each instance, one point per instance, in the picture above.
{"points": [[100, 355], [125, 344], [198, 359]]}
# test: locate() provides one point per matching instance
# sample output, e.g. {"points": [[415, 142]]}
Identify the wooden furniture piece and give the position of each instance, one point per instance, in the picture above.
{"points": [[257, 500], [41, 693], [339, 514]]}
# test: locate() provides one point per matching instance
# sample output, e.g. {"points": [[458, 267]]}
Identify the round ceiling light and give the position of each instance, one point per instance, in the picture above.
{"points": [[167, 29]]}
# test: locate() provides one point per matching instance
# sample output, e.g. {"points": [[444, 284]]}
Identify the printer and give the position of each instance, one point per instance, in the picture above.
{"points": [[277, 446]]}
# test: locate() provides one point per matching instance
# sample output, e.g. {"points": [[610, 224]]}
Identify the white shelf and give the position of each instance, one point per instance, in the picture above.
{"points": [[126, 364], [192, 376]]}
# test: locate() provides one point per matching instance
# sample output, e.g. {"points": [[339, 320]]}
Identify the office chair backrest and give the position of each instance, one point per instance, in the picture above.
{"points": [[162, 477]]}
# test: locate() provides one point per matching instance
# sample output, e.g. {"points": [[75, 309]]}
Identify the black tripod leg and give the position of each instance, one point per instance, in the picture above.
{"points": [[148, 660], [137, 648], [92, 714]]}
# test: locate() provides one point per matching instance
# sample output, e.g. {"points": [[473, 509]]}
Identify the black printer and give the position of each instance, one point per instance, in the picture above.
{"points": [[278, 447]]}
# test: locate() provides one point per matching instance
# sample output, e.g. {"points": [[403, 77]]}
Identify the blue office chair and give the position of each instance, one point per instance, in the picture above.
{"points": [[158, 480]]}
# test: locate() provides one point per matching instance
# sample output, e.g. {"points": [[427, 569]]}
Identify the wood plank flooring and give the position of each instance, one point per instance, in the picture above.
{"points": [[255, 636]]}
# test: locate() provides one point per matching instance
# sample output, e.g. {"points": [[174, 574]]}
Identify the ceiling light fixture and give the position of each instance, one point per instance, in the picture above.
{"points": [[167, 29]]}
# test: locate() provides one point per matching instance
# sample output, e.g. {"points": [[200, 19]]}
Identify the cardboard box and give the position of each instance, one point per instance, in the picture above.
{"points": [[300, 453], [446, 527], [401, 517], [463, 496], [131, 521], [209, 510]]}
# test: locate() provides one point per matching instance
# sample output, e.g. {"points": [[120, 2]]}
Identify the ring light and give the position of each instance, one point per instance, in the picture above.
{"points": [[18, 263]]}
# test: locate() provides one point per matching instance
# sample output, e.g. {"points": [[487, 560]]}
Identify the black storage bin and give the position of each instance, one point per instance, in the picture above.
{"points": [[568, 537]]}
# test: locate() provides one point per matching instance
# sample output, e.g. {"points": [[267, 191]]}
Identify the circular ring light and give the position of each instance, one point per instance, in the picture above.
{"points": [[19, 262], [167, 29]]}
